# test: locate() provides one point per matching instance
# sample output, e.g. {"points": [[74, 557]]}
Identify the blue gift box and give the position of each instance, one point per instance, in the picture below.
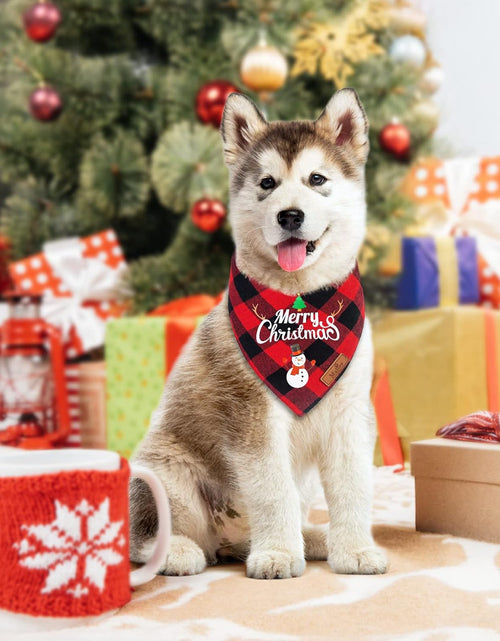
{"points": [[438, 271]]}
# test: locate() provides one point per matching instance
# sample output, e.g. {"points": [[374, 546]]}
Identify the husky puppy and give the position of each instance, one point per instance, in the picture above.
{"points": [[234, 459]]}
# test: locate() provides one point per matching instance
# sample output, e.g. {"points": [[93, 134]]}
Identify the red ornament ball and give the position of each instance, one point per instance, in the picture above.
{"points": [[210, 101], [208, 214], [41, 21], [45, 104], [395, 138]]}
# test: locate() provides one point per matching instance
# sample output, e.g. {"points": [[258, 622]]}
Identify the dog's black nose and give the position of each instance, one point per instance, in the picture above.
{"points": [[291, 219]]}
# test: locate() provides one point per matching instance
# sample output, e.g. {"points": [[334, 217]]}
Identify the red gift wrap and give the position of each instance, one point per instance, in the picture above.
{"points": [[79, 279]]}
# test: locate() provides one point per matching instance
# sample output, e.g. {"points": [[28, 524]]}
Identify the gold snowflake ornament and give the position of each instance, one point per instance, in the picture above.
{"points": [[335, 47]]}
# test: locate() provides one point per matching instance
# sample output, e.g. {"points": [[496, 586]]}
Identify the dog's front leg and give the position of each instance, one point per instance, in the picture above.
{"points": [[273, 504], [346, 473]]}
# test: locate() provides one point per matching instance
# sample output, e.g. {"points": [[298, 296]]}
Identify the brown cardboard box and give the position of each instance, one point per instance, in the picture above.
{"points": [[457, 488]]}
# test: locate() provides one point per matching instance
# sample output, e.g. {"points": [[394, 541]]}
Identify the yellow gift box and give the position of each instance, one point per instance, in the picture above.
{"points": [[442, 363]]}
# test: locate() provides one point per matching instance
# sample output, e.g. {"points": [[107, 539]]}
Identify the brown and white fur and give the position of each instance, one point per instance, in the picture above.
{"points": [[234, 460]]}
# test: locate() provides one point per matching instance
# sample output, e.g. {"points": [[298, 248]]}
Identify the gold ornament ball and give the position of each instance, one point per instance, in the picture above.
{"points": [[405, 19], [263, 68]]}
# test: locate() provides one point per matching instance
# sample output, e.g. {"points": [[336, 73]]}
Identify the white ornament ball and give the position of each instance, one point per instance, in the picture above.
{"points": [[264, 68], [408, 49], [432, 79]]}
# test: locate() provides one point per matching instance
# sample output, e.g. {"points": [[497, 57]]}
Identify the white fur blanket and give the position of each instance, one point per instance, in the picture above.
{"points": [[438, 588]]}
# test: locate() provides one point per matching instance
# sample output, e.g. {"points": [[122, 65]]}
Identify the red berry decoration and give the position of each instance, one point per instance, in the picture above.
{"points": [[395, 138], [45, 104], [208, 214], [41, 21], [210, 101]]}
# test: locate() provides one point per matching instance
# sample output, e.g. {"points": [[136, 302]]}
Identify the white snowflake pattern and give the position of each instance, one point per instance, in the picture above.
{"points": [[76, 547]]}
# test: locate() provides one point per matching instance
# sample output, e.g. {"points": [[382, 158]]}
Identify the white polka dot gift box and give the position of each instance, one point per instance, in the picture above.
{"points": [[461, 197], [79, 279]]}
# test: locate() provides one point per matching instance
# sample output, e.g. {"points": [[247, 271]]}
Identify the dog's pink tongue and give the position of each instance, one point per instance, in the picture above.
{"points": [[292, 254]]}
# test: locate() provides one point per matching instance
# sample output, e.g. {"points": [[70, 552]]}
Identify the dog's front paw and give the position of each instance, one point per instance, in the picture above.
{"points": [[368, 560], [184, 557], [274, 564]]}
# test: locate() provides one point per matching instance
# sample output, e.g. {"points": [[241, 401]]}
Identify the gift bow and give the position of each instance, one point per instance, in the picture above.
{"points": [[86, 280], [478, 219]]}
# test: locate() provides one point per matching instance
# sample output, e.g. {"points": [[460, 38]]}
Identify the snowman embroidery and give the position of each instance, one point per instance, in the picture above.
{"points": [[298, 376]]}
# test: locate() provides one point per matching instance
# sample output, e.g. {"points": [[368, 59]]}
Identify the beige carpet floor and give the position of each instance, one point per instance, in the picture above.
{"points": [[438, 588]]}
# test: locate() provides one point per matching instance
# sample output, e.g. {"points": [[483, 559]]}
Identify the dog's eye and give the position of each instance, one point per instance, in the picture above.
{"points": [[267, 183], [316, 179]]}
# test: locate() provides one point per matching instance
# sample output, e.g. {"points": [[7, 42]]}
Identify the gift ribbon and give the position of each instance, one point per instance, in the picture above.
{"points": [[390, 445], [85, 279], [446, 253]]}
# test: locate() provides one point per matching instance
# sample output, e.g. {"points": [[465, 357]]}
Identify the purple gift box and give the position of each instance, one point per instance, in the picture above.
{"points": [[419, 283]]}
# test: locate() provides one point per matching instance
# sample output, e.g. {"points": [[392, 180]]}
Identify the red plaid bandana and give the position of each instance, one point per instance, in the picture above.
{"points": [[298, 345]]}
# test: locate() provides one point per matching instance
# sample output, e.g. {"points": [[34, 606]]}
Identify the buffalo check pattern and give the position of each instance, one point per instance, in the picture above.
{"points": [[251, 305]]}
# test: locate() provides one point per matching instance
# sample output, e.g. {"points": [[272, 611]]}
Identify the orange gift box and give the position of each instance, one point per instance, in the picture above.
{"points": [[79, 279]]}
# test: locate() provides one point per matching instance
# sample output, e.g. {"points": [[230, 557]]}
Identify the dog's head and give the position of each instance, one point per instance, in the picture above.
{"points": [[297, 192]]}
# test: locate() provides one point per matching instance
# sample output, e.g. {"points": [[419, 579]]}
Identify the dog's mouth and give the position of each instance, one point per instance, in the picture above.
{"points": [[293, 252]]}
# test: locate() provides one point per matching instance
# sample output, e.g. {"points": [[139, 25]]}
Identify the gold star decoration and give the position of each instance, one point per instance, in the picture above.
{"points": [[335, 47]]}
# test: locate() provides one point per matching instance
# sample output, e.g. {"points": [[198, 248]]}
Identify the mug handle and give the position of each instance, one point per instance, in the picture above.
{"points": [[148, 571]]}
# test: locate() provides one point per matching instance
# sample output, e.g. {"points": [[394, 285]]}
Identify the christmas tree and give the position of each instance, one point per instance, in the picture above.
{"points": [[110, 113], [299, 303]]}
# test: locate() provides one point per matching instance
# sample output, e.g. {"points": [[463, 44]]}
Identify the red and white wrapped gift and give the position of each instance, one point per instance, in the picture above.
{"points": [[79, 279], [468, 191]]}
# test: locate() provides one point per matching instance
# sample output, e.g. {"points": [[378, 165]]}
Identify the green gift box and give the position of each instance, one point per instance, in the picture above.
{"points": [[136, 371], [140, 352]]}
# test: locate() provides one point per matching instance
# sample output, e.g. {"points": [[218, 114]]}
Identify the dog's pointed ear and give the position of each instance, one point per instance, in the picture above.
{"points": [[345, 120], [241, 123]]}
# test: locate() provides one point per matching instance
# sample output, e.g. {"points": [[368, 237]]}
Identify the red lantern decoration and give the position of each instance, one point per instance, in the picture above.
{"points": [[34, 411], [395, 138], [41, 21], [208, 214], [210, 101], [45, 104]]}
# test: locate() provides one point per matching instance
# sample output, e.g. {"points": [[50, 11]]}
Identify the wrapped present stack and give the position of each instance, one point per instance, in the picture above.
{"points": [[78, 281], [440, 351], [461, 197]]}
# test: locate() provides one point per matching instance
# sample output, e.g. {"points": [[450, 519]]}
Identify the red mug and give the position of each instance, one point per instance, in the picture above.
{"points": [[64, 533]]}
